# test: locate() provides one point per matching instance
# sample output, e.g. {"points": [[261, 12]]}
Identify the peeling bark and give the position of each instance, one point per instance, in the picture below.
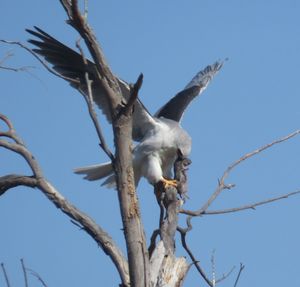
{"points": [[166, 269]]}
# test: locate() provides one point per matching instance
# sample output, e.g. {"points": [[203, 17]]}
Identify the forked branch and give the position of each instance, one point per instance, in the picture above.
{"points": [[105, 76], [38, 181], [250, 206], [122, 127], [222, 185]]}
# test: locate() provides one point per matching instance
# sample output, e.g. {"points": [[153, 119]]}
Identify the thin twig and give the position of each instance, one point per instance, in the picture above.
{"points": [[44, 63], [133, 95], [239, 274], [226, 275], [39, 278], [24, 272], [104, 74], [90, 102], [77, 224], [7, 56], [5, 275], [7, 122], [18, 147], [11, 133], [183, 232], [197, 265], [213, 268], [245, 207], [20, 69], [221, 183]]}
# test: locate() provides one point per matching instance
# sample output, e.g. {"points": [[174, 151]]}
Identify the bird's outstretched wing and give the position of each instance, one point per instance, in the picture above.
{"points": [[175, 108], [71, 66]]}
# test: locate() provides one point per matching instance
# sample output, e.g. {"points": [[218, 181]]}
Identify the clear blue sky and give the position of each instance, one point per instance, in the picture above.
{"points": [[252, 101]]}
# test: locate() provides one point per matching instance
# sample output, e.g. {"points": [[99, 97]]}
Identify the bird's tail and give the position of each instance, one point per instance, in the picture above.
{"points": [[98, 171]]}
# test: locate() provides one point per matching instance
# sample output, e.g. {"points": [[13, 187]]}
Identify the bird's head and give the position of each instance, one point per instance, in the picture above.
{"points": [[184, 144]]}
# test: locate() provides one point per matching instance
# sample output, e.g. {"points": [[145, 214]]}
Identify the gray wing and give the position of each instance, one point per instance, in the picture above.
{"points": [[175, 108], [70, 65]]}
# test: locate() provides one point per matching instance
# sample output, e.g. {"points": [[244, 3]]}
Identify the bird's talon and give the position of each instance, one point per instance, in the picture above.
{"points": [[169, 182]]}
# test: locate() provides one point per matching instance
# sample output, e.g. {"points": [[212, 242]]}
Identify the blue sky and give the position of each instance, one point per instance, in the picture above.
{"points": [[252, 101]]}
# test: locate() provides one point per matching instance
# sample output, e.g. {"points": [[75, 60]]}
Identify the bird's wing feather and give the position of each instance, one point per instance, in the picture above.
{"points": [[95, 172], [70, 65], [175, 108]]}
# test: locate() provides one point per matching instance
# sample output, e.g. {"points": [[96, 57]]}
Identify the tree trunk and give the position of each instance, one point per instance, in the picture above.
{"points": [[138, 257]]}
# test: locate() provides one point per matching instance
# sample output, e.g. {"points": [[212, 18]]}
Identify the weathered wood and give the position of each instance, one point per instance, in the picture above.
{"points": [[169, 224], [166, 269], [138, 257]]}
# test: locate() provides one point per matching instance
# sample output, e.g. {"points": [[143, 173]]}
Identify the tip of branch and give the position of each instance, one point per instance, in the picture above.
{"points": [[139, 81]]}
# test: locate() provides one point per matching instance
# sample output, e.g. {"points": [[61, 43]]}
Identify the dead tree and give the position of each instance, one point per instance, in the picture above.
{"points": [[157, 264]]}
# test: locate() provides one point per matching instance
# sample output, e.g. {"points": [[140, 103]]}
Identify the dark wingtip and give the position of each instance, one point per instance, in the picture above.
{"points": [[39, 33], [31, 31]]}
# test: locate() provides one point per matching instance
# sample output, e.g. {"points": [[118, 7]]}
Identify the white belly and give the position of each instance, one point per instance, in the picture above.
{"points": [[154, 157]]}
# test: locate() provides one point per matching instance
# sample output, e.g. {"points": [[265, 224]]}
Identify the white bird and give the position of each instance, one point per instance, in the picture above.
{"points": [[160, 137]]}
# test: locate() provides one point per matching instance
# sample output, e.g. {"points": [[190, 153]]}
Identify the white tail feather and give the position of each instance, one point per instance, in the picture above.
{"points": [[95, 172]]}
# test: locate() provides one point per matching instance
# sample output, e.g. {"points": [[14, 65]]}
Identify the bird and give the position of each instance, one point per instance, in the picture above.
{"points": [[159, 137]]}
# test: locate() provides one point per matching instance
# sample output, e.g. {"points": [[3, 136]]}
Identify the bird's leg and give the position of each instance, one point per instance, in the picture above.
{"points": [[169, 182]]}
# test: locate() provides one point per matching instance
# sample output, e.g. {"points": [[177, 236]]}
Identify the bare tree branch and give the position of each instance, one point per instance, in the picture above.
{"points": [[137, 251], [213, 268], [5, 275], [122, 126], [24, 272], [105, 76], [7, 56], [221, 183], [39, 278], [19, 147], [11, 133], [250, 206], [215, 280], [183, 232], [44, 63], [106, 79], [239, 274], [133, 95], [169, 224], [88, 99], [19, 69], [224, 276], [13, 180], [138, 259], [90, 103], [95, 231]]}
